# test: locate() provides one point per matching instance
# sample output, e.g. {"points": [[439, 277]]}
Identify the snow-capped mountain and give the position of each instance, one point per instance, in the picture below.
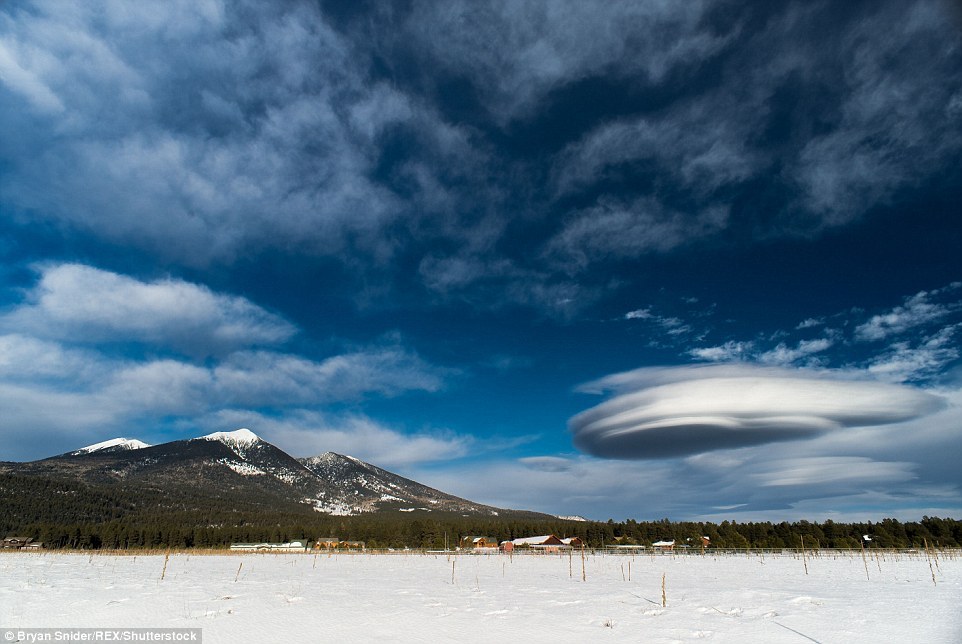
{"points": [[362, 487], [112, 445], [239, 469], [239, 440]]}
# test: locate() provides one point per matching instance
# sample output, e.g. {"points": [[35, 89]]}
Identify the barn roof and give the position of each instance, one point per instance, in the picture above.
{"points": [[545, 539]]}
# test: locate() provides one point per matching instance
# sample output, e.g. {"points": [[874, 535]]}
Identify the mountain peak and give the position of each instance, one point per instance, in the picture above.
{"points": [[241, 436], [328, 457], [114, 445]]}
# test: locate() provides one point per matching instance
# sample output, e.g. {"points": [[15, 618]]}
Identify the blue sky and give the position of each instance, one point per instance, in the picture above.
{"points": [[642, 259]]}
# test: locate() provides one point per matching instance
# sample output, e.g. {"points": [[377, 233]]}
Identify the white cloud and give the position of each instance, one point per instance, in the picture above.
{"points": [[71, 397], [917, 310], [902, 470], [309, 433], [674, 411], [784, 355], [85, 304], [264, 377], [809, 323], [27, 359], [831, 471], [903, 361], [924, 353], [727, 352], [639, 314], [61, 377]]}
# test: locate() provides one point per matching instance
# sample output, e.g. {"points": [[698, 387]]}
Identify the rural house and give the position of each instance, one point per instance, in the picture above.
{"points": [[477, 543]]}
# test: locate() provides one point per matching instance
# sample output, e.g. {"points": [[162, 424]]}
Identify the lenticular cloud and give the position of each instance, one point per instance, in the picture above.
{"points": [[678, 411]]}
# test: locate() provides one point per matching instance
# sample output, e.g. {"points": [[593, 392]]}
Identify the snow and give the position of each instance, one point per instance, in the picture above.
{"points": [[531, 541], [484, 598], [572, 517], [241, 436], [123, 443], [336, 508], [244, 469]]}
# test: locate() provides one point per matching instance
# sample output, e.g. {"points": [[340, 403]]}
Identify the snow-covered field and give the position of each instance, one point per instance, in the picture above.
{"points": [[472, 598]]}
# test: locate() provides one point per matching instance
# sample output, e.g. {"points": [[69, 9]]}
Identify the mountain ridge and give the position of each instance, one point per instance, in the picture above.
{"points": [[237, 469]]}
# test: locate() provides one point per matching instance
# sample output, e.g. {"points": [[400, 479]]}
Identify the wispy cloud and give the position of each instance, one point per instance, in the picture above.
{"points": [[918, 310], [784, 355], [517, 53], [727, 352], [614, 229], [906, 361], [920, 334]]}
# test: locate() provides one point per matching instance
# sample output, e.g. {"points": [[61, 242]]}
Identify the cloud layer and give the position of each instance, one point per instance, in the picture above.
{"points": [[62, 381], [680, 411], [213, 132]]}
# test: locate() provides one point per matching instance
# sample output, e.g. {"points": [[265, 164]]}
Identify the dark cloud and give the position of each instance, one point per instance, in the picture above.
{"points": [[507, 150]]}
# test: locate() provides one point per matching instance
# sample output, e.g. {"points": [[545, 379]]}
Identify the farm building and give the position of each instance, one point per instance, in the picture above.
{"points": [[333, 543], [291, 546], [17, 542], [546, 543], [477, 543], [351, 545], [664, 545]]}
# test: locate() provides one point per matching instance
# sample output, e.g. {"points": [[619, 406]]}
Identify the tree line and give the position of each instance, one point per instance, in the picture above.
{"points": [[68, 514]]}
